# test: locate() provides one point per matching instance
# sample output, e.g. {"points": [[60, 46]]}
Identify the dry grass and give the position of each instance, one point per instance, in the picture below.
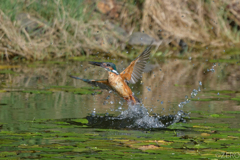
{"points": [[59, 33], [206, 22], [63, 36]]}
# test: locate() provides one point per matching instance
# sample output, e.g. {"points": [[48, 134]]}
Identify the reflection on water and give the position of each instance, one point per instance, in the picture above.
{"points": [[161, 90]]}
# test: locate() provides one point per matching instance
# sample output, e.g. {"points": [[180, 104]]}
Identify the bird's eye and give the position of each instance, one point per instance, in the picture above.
{"points": [[108, 64]]}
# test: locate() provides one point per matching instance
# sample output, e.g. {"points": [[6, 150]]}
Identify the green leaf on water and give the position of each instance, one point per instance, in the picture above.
{"points": [[232, 112], [5, 153], [201, 99], [81, 150], [215, 115], [83, 121], [46, 92], [235, 99], [37, 91], [220, 116], [220, 91], [61, 123], [1, 91], [6, 71], [209, 99], [50, 155]]}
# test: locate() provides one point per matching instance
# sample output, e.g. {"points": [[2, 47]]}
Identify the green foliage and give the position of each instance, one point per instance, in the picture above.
{"points": [[48, 9], [55, 141]]}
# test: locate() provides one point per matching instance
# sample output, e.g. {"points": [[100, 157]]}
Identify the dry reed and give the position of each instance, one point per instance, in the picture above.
{"points": [[198, 23]]}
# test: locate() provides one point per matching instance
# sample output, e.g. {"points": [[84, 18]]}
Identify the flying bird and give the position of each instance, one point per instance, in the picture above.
{"points": [[119, 81]]}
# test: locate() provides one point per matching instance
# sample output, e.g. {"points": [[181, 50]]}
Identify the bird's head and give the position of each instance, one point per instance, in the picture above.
{"points": [[111, 67]]}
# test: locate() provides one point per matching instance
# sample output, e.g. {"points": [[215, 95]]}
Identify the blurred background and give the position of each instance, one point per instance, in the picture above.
{"points": [[40, 30]]}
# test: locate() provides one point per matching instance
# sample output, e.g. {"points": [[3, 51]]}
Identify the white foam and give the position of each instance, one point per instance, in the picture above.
{"points": [[142, 119]]}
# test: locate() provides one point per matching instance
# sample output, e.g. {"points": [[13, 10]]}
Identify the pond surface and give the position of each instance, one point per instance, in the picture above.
{"points": [[43, 111]]}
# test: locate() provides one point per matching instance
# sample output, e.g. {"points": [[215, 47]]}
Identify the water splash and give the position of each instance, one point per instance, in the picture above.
{"points": [[142, 119], [193, 94], [137, 116]]}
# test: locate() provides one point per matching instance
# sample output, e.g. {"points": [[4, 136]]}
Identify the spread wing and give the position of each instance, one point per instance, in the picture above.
{"points": [[134, 71], [103, 84]]}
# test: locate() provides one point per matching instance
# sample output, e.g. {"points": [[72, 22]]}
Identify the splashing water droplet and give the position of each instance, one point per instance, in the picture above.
{"points": [[93, 112], [199, 89], [148, 88]]}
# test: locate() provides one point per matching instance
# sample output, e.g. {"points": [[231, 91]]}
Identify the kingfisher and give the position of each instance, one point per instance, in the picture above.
{"points": [[118, 82]]}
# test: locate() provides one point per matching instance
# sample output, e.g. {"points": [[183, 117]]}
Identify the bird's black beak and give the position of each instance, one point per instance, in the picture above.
{"points": [[101, 64]]}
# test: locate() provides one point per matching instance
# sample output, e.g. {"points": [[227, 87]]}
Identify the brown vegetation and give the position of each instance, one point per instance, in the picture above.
{"points": [[107, 25]]}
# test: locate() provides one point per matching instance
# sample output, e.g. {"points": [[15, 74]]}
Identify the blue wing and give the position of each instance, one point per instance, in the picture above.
{"points": [[103, 84]]}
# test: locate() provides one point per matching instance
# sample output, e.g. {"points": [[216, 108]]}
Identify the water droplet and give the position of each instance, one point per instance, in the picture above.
{"points": [[148, 88], [93, 112], [199, 89]]}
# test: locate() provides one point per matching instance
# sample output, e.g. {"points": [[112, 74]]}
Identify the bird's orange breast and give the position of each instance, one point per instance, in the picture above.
{"points": [[119, 85]]}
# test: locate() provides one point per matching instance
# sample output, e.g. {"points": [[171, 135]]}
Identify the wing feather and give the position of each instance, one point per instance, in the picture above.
{"points": [[134, 71], [103, 84]]}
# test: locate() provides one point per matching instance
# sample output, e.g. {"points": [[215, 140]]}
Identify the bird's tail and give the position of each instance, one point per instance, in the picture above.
{"points": [[133, 100], [137, 100]]}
